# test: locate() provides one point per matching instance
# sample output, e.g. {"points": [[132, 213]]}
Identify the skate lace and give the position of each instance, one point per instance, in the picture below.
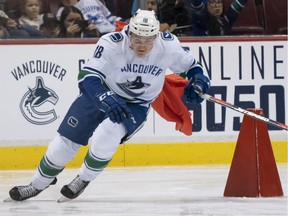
{"points": [[27, 191], [76, 185]]}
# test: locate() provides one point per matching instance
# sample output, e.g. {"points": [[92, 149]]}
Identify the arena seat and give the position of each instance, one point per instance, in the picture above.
{"points": [[275, 16], [2, 5], [12, 9], [250, 20]]}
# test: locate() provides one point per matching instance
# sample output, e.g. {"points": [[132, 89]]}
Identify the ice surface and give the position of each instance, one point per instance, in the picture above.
{"points": [[144, 191]]}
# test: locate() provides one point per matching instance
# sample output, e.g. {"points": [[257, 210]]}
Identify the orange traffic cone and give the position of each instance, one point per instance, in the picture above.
{"points": [[253, 172]]}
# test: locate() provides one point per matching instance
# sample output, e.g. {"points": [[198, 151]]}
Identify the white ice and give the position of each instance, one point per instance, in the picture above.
{"points": [[144, 191]]}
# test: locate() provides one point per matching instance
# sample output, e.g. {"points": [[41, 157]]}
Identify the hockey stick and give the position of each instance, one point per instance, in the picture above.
{"points": [[243, 111]]}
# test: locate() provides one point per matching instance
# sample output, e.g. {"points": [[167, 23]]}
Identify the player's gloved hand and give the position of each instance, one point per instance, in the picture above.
{"points": [[114, 107], [199, 84]]}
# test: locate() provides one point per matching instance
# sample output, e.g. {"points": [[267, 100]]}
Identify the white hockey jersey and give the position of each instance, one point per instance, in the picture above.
{"points": [[138, 79]]}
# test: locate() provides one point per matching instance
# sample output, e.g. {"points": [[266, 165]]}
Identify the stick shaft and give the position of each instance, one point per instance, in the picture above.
{"points": [[245, 112]]}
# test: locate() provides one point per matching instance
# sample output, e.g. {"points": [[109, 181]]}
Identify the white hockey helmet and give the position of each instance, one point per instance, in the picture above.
{"points": [[144, 23]]}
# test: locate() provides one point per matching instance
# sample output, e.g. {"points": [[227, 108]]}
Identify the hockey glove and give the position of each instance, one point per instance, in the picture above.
{"points": [[114, 107], [199, 84]]}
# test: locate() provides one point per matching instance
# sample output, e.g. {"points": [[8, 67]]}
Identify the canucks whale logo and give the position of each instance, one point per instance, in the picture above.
{"points": [[134, 88], [33, 104]]}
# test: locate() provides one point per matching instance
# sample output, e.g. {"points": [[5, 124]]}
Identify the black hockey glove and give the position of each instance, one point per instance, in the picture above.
{"points": [[199, 84], [114, 107]]}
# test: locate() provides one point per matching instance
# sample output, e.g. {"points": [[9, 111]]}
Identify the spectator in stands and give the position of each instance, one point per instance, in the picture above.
{"points": [[96, 12], [10, 28], [49, 25], [73, 24], [3, 31], [164, 10], [182, 19], [135, 7], [30, 17], [209, 17]]}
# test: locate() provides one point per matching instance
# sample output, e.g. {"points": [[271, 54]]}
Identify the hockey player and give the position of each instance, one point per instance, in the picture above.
{"points": [[117, 85]]}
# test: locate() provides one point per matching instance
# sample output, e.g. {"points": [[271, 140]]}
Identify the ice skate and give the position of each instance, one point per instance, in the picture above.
{"points": [[73, 190], [21, 193]]}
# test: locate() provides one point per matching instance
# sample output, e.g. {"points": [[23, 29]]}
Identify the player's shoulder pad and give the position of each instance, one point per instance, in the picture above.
{"points": [[116, 37], [167, 36]]}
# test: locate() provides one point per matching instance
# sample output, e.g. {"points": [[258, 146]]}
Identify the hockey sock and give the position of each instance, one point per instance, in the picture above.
{"points": [[48, 169], [92, 166], [45, 174]]}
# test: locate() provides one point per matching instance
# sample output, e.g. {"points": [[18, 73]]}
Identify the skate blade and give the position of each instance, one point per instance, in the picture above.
{"points": [[63, 199]]}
